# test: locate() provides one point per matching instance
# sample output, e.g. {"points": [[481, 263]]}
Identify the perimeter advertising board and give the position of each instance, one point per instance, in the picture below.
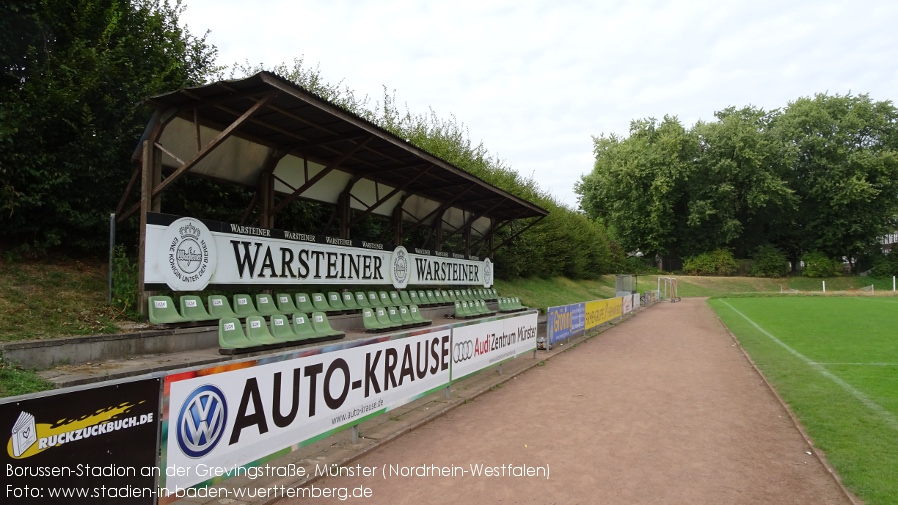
{"points": [[602, 311], [188, 254], [87, 446], [484, 343], [565, 321], [222, 418]]}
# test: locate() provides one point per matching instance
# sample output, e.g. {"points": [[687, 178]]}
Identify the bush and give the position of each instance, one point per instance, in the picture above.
{"points": [[817, 264], [769, 262], [718, 262], [124, 282], [885, 265]]}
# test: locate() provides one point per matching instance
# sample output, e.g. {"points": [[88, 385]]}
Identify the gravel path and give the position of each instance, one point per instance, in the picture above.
{"points": [[661, 409]]}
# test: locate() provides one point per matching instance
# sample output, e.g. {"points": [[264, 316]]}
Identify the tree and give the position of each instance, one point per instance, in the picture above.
{"points": [[638, 186], [738, 192], [74, 73], [844, 172]]}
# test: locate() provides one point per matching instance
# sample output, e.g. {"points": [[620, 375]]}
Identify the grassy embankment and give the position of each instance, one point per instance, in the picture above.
{"points": [[50, 299]]}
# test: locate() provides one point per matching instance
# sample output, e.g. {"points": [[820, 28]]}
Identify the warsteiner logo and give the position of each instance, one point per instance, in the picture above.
{"points": [[190, 255], [400, 268], [487, 273]]}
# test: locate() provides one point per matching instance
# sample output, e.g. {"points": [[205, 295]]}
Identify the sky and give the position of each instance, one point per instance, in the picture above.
{"points": [[535, 80]]}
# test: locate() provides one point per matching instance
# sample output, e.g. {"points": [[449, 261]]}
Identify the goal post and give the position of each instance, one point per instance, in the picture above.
{"points": [[667, 289]]}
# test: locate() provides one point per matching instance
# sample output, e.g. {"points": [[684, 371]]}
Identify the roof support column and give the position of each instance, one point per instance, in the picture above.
{"points": [[151, 176], [397, 220]]}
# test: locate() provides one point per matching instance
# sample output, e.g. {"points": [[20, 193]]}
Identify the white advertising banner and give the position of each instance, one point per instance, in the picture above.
{"points": [[189, 254], [485, 343], [223, 418]]}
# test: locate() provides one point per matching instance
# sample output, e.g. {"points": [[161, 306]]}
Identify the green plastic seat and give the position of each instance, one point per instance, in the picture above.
{"points": [[395, 318], [384, 298], [446, 298], [257, 331], [431, 299], [349, 301], [481, 307], [323, 326], [395, 299], [319, 302], [374, 300], [405, 316], [304, 303], [335, 301], [281, 329], [265, 305], [416, 315], [503, 304], [369, 319], [413, 298], [163, 311], [438, 296], [422, 298], [243, 306], [302, 326], [384, 319], [231, 336], [361, 299], [285, 303], [219, 306], [404, 296], [192, 308]]}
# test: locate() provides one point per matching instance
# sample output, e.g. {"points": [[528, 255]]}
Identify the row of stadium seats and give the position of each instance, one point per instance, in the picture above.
{"points": [[283, 331], [382, 319], [162, 309], [468, 310]]}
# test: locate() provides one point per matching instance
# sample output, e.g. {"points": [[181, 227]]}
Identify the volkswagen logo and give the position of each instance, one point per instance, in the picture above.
{"points": [[462, 351], [202, 420]]}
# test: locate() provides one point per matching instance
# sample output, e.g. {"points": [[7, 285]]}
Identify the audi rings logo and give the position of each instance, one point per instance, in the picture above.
{"points": [[462, 351], [201, 422]]}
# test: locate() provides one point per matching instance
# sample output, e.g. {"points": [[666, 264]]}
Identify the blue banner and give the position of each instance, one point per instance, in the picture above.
{"points": [[565, 321]]}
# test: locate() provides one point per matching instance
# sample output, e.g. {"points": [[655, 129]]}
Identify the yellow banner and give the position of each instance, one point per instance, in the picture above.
{"points": [[602, 311]]}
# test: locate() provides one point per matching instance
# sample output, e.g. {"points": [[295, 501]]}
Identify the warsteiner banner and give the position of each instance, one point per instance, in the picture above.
{"points": [[189, 254], [244, 413], [88, 446]]}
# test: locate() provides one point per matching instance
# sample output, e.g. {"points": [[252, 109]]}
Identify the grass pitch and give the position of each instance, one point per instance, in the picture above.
{"points": [[834, 360]]}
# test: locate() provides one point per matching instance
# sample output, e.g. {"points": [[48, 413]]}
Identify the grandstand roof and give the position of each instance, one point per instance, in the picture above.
{"points": [[232, 130]]}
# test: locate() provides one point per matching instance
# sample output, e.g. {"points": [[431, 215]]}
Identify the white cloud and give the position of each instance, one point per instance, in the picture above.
{"points": [[535, 80]]}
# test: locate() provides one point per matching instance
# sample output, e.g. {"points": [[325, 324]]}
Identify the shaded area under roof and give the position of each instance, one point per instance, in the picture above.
{"points": [[239, 131]]}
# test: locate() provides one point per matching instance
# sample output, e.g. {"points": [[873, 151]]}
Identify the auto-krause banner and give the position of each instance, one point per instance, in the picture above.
{"points": [[484, 343], [188, 254], [89, 446], [565, 321], [222, 418]]}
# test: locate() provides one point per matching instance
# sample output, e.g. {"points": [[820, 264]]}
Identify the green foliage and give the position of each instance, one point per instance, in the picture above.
{"points": [[566, 243], [124, 282], [885, 265], [769, 262], [73, 76], [819, 175], [719, 262], [818, 264], [15, 381]]}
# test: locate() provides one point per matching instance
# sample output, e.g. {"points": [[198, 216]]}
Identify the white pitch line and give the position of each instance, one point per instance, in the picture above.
{"points": [[886, 416], [856, 364]]}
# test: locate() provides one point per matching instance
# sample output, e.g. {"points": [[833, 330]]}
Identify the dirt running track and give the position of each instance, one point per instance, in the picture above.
{"points": [[661, 409]]}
